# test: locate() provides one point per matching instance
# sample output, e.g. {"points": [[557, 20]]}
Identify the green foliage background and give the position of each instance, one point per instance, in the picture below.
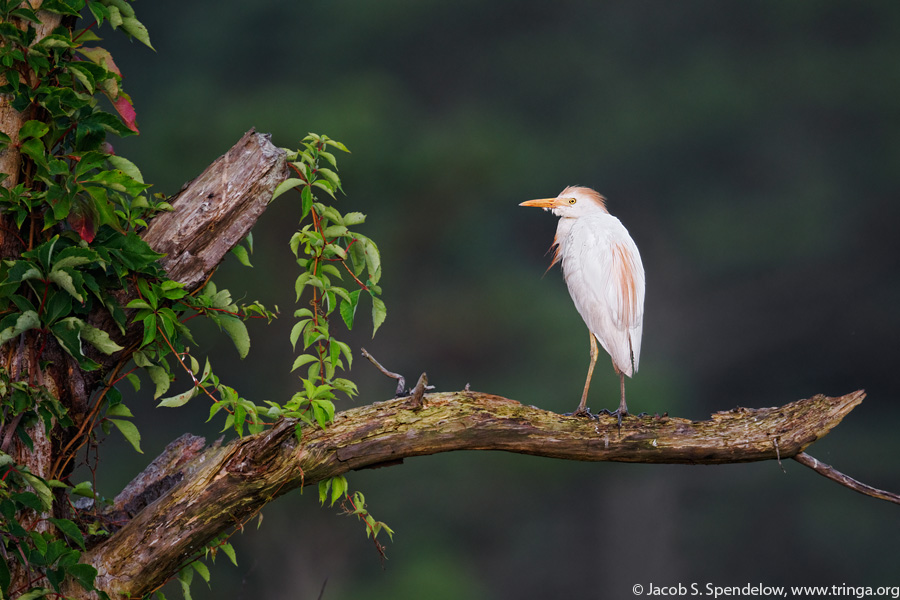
{"points": [[750, 148]]}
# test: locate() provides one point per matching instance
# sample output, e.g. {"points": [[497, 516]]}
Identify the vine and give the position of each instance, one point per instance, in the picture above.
{"points": [[76, 276]]}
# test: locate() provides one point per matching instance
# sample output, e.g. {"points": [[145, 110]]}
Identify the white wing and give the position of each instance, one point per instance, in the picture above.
{"points": [[605, 276]]}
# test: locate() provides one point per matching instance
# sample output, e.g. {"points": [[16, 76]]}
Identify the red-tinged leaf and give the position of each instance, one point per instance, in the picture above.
{"points": [[126, 110], [82, 223], [101, 57]]}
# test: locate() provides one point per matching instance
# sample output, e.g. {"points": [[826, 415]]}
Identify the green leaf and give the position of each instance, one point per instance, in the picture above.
{"points": [[68, 280], [134, 380], [84, 574], [379, 313], [237, 331], [68, 332], [149, 329], [137, 29], [304, 279], [75, 257], [33, 129], [126, 166], [242, 255], [160, 378], [29, 500], [179, 400], [84, 489], [331, 177], [373, 260], [99, 339], [58, 305], [286, 185], [325, 186], [202, 569], [70, 530], [335, 231], [324, 486], [323, 411], [348, 308], [306, 200], [138, 303], [83, 75], [229, 552], [185, 576], [40, 488], [297, 331], [25, 321], [354, 218], [119, 410], [338, 488], [302, 360], [130, 431], [337, 145]]}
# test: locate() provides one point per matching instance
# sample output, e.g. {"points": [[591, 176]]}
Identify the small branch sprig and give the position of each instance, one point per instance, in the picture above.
{"points": [[327, 251]]}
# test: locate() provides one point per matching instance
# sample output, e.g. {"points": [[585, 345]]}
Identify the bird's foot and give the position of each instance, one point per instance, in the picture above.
{"points": [[582, 412], [619, 413]]}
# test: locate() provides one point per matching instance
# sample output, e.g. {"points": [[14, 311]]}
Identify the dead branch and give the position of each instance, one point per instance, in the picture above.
{"points": [[217, 209], [833, 474], [224, 485]]}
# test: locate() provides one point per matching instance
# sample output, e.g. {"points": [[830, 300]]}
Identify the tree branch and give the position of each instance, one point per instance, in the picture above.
{"points": [[224, 485], [833, 474], [217, 209]]}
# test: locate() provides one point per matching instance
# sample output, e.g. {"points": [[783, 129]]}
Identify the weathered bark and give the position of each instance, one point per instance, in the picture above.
{"points": [[224, 485], [217, 209]]}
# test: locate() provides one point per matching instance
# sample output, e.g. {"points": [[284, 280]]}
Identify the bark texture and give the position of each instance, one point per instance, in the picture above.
{"points": [[224, 485], [217, 209]]}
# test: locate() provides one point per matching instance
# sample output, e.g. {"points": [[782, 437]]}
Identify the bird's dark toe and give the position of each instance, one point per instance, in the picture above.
{"points": [[582, 412]]}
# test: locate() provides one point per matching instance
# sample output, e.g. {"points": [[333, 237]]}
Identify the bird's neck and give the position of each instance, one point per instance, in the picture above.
{"points": [[564, 227]]}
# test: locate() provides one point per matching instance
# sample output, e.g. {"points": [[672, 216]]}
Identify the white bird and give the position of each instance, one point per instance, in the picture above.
{"points": [[605, 276]]}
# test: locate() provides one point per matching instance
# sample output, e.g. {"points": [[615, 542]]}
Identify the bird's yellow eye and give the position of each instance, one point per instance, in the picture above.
{"points": [[572, 200]]}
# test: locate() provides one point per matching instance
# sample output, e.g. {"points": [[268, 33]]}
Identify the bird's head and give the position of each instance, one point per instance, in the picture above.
{"points": [[572, 202]]}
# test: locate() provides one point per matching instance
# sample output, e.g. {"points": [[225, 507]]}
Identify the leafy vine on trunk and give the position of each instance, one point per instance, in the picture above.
{"points": [[77, 280]]}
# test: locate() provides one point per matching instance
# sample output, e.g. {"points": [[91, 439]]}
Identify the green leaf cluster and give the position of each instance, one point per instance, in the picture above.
{"points": [[75, 210], [55, 551], [72, 211], [330, 254]]}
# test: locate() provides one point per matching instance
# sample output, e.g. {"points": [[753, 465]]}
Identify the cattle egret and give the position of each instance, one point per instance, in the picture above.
{"points": [[605, 276]]}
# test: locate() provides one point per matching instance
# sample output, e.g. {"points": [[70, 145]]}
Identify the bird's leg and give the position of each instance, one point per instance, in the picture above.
{"points": [[623, 408], [582, 408]]}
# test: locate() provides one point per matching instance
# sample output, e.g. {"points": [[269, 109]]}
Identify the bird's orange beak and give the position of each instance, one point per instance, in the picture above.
{"points": [[545, 202]]}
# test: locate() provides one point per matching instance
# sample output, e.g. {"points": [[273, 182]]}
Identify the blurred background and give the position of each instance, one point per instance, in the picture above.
{"points": [[752, 150]]}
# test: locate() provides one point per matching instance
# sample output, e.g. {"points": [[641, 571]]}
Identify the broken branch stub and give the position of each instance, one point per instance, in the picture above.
{"points": [[216, 210]]}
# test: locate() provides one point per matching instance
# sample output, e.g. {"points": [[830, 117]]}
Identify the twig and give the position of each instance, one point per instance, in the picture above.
{"points": [[401, 381], [778, 454], [833, 474], [419, 391]]}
